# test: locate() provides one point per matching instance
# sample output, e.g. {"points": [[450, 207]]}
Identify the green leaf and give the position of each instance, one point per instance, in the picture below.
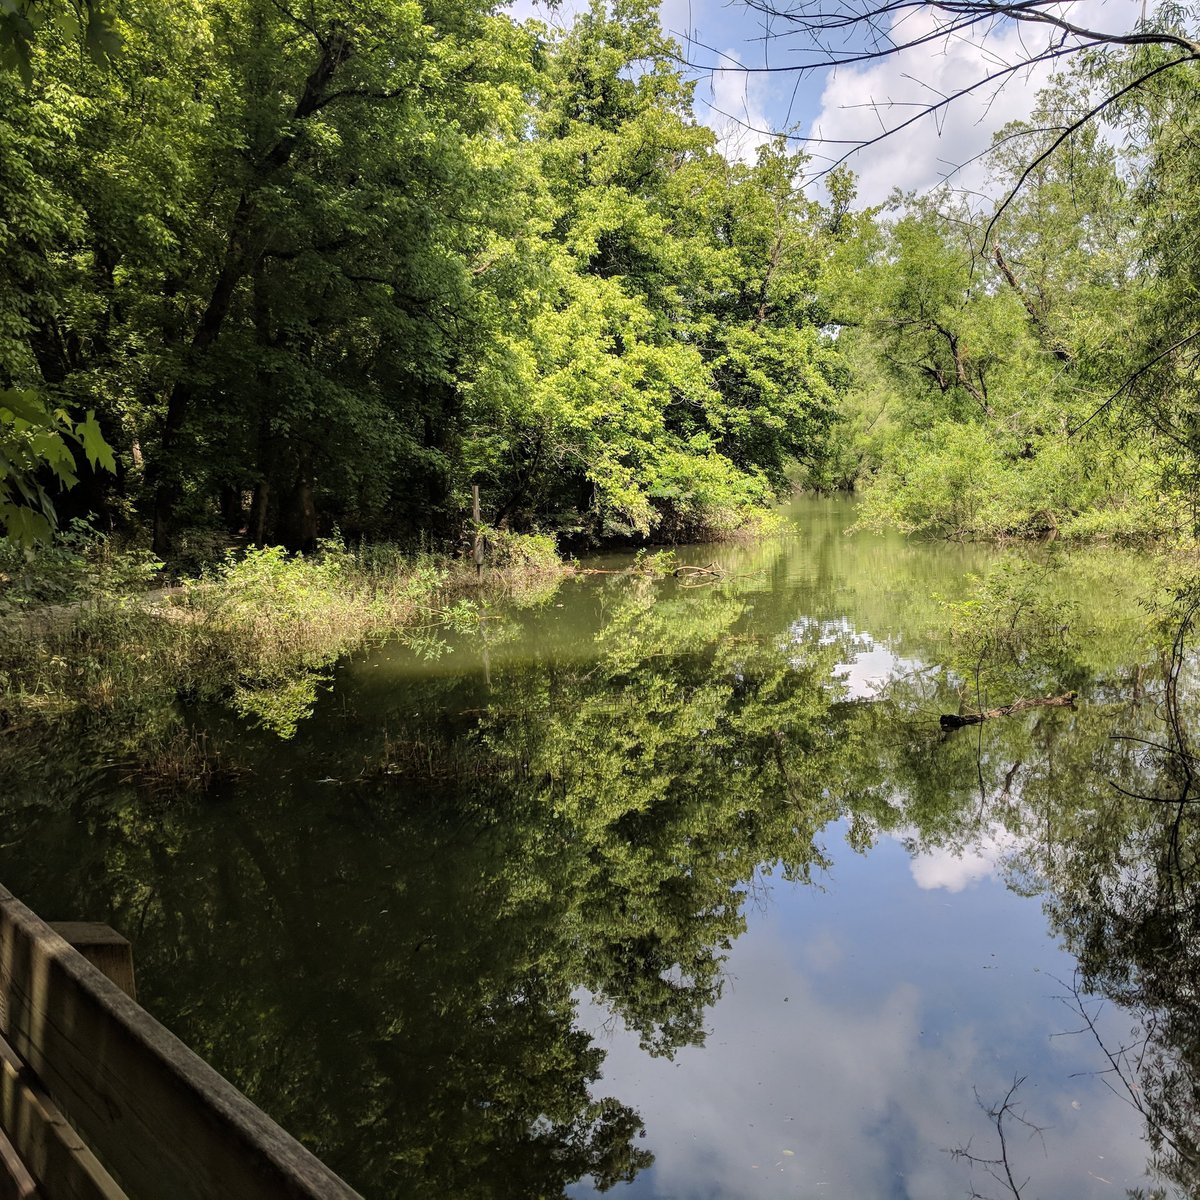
{"points": [[102, 40], [67, 22], [98, 451], [23, 525], [24, 405]]}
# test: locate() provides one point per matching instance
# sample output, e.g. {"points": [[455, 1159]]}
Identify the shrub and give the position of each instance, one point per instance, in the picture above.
{"points": [[77, 564], [261, 630]]}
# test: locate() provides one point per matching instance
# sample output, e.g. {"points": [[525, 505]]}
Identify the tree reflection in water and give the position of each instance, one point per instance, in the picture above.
{"points": [[382, 930]]}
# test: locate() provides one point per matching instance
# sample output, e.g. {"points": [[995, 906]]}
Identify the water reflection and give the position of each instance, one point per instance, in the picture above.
{"points": [[831, 1069], [485, 922]]}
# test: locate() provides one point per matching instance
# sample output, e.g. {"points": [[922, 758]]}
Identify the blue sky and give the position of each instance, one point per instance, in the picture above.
{"points": [[827, 108]]}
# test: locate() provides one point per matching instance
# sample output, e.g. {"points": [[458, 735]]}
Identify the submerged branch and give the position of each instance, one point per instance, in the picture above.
{"points": [[957, 720]]}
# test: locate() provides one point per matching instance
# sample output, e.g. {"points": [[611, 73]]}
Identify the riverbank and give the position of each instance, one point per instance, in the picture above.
{"points": [[92, 640], [86, 639]]}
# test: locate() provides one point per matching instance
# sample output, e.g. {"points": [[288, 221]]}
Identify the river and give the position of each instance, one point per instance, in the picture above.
{"points": [[674, 886]]}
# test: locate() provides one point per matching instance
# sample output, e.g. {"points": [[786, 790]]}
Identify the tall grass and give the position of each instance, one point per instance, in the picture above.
{"points": [[260, 630]]}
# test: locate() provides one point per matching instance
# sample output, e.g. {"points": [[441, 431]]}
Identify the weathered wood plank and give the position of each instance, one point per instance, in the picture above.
{"points": [[162, 1121], [104, 948], [16, 1183], [51, 1151]]}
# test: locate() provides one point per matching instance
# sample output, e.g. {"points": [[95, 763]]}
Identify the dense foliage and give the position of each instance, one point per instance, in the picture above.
{"points": [[1026, 364], [331, 268], [307, 271]]}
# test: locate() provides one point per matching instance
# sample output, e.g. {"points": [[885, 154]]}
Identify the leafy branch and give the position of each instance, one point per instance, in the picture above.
{"points": [[91, 21], [36, 444]]}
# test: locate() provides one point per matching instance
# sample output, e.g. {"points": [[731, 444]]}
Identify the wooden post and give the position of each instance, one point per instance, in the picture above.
{"points": [[477, 548], [104, 948]]}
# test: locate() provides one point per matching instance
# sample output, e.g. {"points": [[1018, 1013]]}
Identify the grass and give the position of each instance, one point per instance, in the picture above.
{"points": [[84, 640]]}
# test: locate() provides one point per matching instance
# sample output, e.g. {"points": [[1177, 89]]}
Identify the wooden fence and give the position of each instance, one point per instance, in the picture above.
{"points": [[99, 1102]]}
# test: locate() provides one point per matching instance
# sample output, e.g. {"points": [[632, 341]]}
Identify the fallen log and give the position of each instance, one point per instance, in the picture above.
{"points": [[958, 720]]}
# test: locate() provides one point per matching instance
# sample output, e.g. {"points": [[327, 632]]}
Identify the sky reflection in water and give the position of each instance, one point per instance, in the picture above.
{"points": [[401, 902], [865, 1026]]}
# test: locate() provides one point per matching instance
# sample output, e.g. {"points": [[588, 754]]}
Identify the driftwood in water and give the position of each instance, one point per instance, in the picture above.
{"points": [[685, 572], [956, 721], [690, 576]]}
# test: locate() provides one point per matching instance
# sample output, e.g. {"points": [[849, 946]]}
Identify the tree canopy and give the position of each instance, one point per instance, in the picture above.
{"points": [[330, 268]]}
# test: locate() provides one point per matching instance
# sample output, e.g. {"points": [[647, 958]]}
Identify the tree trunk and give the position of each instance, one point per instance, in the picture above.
{"points": [[231, 508], [258, 512], [1049, 339], [244, 246], [300, 520]]}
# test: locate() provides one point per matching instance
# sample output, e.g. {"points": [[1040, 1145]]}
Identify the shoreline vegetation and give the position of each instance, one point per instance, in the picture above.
{"points": [[85, 634], [92, 635], [89, 637]]}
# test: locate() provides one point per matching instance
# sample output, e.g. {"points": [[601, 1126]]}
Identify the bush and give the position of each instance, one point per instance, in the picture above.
{"points": [[533, 553], [261, 631], [76, 564]]}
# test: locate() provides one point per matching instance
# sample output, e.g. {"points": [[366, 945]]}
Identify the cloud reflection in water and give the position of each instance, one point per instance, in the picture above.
{"points": [[858, 1025]]}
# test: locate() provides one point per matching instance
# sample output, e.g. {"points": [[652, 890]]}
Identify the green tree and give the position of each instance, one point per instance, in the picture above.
{"points": [[672, 363], [40, 442], [990, 342]]}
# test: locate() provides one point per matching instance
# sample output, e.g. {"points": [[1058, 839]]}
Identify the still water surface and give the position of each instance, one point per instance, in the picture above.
{"points": [[678, 891]]}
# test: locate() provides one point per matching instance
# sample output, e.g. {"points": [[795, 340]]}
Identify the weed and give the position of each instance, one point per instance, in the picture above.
{"points": [[259, 631]]}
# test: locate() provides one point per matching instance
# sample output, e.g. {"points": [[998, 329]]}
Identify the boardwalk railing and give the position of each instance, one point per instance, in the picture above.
{"points": [[98, 1101]]}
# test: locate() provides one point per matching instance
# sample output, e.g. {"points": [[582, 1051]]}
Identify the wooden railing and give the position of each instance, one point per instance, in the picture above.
{"points": [[99, 1102]]}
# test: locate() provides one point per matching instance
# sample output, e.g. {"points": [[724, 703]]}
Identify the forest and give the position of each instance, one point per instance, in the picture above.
{"points": [[271, 275], [310, 272]]}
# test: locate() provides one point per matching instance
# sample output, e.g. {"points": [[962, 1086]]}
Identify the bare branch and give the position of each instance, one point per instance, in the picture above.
{"points": [[1132, 379], [842, 33], [1000, 1169]]}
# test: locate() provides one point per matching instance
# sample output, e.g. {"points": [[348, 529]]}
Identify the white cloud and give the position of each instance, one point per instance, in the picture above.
{"points": [[733, 104], [806, 1088], [866, 675], [827, 1102], [954, 869], [858, 103], [559, 16], [679, 19]]}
